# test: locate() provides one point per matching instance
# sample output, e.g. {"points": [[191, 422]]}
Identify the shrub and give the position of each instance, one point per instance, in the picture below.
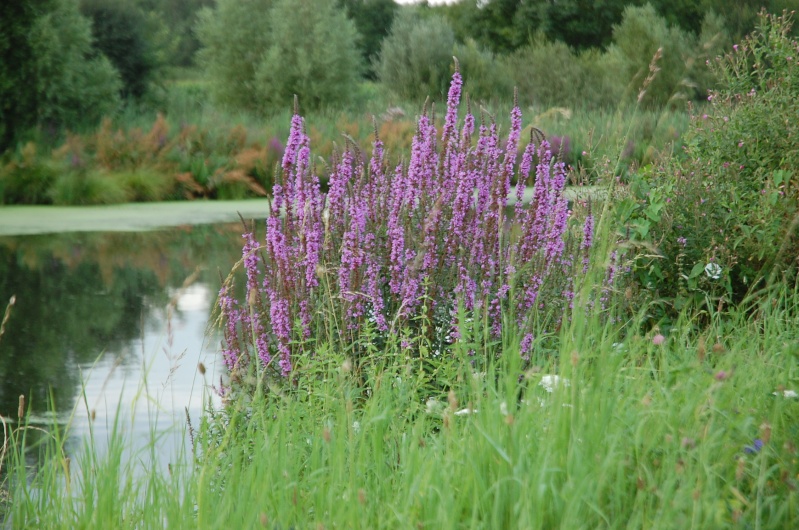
{"points": [[733, 200], [416, 56], [26, 178], [145, 184], [487, 75], [641, 34], [84, 187], [258, 53], [311, 54], [419, 254], [74, 85], [234, 36]]}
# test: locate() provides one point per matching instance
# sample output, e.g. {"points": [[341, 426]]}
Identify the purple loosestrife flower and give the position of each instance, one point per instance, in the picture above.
{"points": [[337, 189], [511, 147], [526, 346], [281, 325], [396, 231], [588, 238], [230, 314], [431, 232], [524, 174]]}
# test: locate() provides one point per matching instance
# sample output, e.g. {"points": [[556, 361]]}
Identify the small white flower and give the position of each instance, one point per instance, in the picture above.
{"points": [[465, 412], [787, 394], [356, 426], [713, 270], [551, 382], [503, 408], [433, 406]]}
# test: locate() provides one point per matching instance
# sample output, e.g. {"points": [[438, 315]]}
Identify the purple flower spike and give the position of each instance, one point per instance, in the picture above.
{"points": [[427, 251]]}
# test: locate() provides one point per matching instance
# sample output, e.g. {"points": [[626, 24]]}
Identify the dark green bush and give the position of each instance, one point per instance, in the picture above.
{"points": [[120, 33], [54, 78], [641, 34], [312, 54], [732, 201]]}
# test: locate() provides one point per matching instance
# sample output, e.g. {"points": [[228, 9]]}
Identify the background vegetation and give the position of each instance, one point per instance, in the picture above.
{"points": [[676, 355], [212, 66]]}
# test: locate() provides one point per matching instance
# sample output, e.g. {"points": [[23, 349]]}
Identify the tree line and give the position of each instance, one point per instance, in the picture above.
{"points": [[67, 63]]}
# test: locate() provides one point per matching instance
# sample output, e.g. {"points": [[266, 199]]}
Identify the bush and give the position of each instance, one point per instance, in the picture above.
{"points": [[486, 74], [551, 74], [417, 256], [26, 179], [85, 187], [641, 34], [234, 36], [416, 56], [258, 54], [731, 206], [312, 54]]}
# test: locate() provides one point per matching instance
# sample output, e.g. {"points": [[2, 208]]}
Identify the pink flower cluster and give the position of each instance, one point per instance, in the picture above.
{"points": [[435, 233]]}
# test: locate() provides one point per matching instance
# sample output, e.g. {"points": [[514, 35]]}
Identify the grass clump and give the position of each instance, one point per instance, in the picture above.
{"points": [[694, 430]]}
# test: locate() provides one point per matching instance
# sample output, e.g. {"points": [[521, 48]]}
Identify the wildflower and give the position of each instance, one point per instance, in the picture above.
{"points": [[658, 339], [786, 393], [756, 446], [465, 412], [735, 47], [526, 345], [682, 241], [740, 144], [721, 375], [713, 270], [433, 406], [551, 382], [503, 408]]}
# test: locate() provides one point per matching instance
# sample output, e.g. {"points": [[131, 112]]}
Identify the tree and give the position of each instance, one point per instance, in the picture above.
{"points": [[416, 56], [373, 19], [51, 75], [258, 53], [234, 36], [120, 33], [641, 35], [17, 101], [312, 54]]}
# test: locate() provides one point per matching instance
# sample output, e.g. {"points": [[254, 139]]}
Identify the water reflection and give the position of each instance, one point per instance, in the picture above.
{"points": [[106, 320]]}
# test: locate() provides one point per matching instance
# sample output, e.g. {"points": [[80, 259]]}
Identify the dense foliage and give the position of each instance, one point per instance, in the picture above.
{"points": [[416, 56], [279, 48], [120, 32], [724, 218], [53, 78]]}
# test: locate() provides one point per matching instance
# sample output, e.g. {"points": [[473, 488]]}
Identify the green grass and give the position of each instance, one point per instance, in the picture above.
{"points": [[645, 436]]}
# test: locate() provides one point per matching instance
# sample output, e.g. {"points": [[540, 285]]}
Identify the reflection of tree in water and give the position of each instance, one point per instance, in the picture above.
{"points": [[79, 295]]}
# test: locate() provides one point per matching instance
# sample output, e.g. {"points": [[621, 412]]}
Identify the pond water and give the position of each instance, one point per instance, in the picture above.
{"points": [[114, 325]]}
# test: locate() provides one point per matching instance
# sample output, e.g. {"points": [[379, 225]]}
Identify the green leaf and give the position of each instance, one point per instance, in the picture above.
{"points": [[697, 270]]}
